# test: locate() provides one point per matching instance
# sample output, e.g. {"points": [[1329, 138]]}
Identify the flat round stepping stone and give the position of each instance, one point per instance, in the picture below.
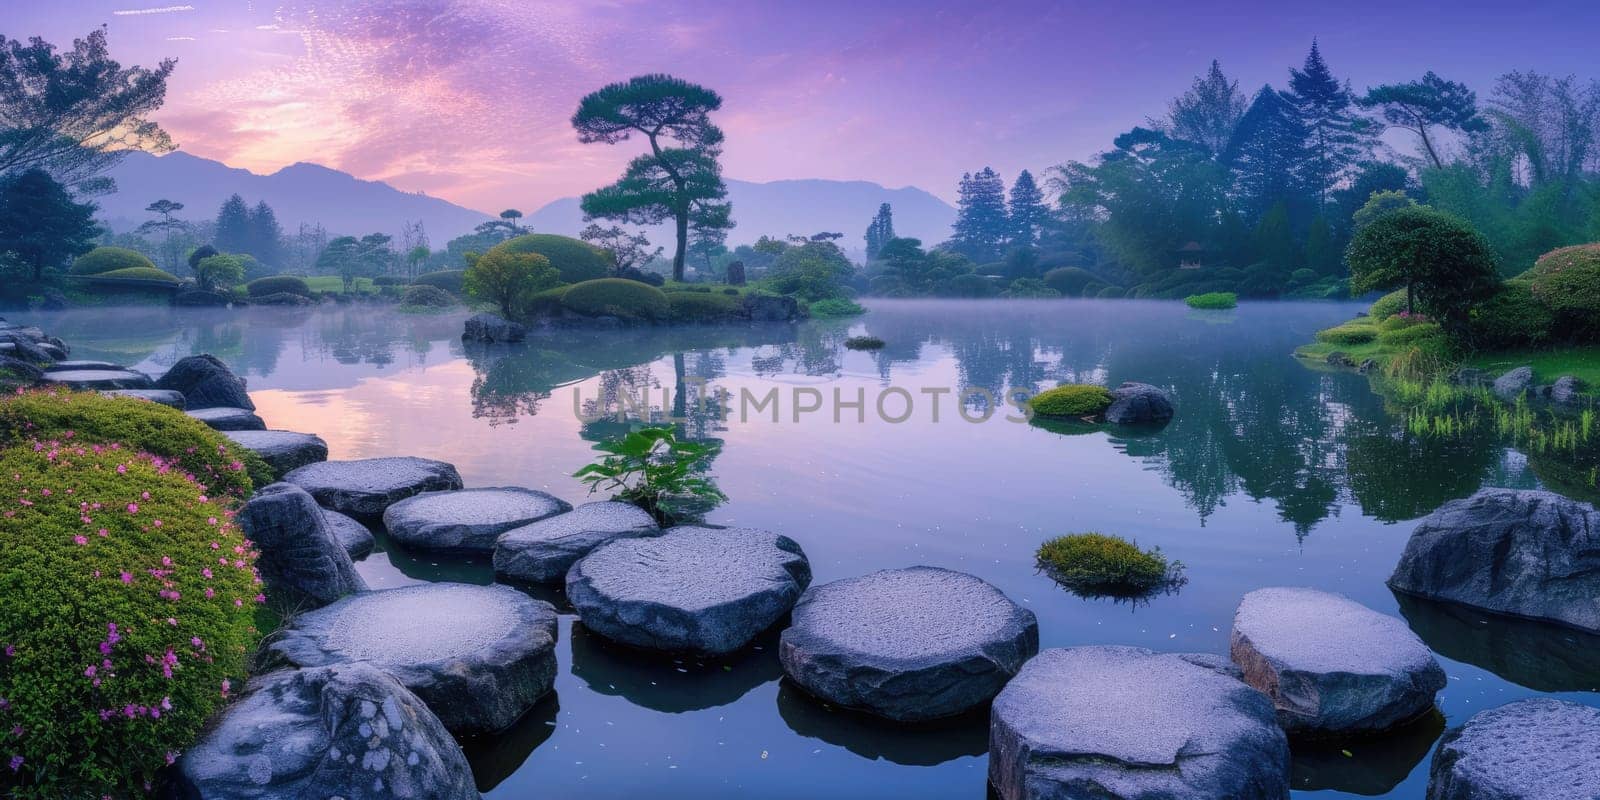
{"points": [[282, 450], [479, 656], [1538, 749], [697, 590], [1124, 722], [364, 488], [65, 366], [350, 534], [99, 379], [166, 397], [229, 419], [907, 644], [1331, 665], [543, 551], [466, 520]]}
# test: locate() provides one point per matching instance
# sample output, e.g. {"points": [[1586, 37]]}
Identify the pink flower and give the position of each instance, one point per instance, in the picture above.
{"points": [[122, 469], [81, 540], [133, 508], [127, 577], [16, 763]]}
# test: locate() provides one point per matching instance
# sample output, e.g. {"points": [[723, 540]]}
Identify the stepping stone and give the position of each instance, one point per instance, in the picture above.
{"points": [[165, 397], [66, 366], [99, 379], [479, 656], [1331, 665], [347, 730], [543, 551], [466, 520], [1538, 749], [351, 535], [207, 382], [364, 488], [229, 419], [302, 562], [697, 590], [282, 450], [907, 644], [1125, 722]]}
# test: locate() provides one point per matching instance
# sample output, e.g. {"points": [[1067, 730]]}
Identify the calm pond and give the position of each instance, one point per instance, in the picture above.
{"points": [[1272, 473]]}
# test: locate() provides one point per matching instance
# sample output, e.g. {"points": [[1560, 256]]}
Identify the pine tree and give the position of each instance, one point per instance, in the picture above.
{"points": [[1267, 155], [234, 234], [1275, 240], [879, 231], [266, 236], [1209, 112], [981, 225], [1027, 211], [1321, 255], [1336, 137]]}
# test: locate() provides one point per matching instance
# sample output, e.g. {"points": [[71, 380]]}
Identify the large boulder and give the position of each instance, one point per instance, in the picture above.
{"points": [[344, 731], [479, 656], [18, 370], [366, 487], [165, 397], [1119, 723], [771, 308], [302, 562], [1522, 552], [92, 379], [907, 644], [284, 451], [697, 590], [207, 383], [23, 347], [466, 520], [543, 551], [351, 535], [1139, 404], [222, 418], [1331, 665], [492, 328], [1538, 749], [1567, 392], [1513, 384], [63, 366]]}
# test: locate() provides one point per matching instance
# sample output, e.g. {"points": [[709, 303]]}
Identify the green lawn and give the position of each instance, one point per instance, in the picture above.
{"points": [[1580, 362], [333, 283]]}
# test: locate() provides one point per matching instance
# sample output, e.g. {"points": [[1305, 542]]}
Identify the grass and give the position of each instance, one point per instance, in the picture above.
{"points": [[1071, 400], [1213, 301], [335, 284], [1097, 564], [1548, 364]]}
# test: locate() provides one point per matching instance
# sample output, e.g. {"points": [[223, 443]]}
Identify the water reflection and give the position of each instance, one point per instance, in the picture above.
{"points": [[672, 684], [1368, 767], [1538, 655], [498, 756], [923, 745]]}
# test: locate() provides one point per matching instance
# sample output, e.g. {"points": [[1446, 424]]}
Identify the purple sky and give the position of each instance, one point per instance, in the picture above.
{"points": [[469, 99]]}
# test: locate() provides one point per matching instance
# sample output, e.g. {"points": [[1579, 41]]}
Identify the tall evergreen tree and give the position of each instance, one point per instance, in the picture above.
{"points": [[1428, 103], [266, 235], [40, 224], [1027, 211], [234, 233], [1209, 112], [879, 231], [1267, 155], [981, 225], [1336, 137]]}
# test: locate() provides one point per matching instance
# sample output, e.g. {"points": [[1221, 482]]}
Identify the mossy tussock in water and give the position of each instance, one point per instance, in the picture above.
{"points": [[1071, 400], [1213, 301], [864, 343], [1097, 564]]}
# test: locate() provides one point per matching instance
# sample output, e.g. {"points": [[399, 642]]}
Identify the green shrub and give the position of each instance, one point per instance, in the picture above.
{"points": [[139, 274], [617, 297], [575, 259], [1213, 300], [1400, 321], [698, 307], [1352, 332], [214, 460], [1567, 281], [127, 600], [427, 297], [864, 343], [1100, 564], [1069, 281], [1410, 335], [1513, 317], [1030, 288], [1301, 277], [836, 308], [1071, 400], [1112, 293], [544, 304], [278, 284], [965, 285], [450, 280], [1388, 305], [106, 259]]}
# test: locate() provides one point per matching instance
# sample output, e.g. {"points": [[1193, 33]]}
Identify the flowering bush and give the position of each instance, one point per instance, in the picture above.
{"points": [[127, 599], [214, 460]]}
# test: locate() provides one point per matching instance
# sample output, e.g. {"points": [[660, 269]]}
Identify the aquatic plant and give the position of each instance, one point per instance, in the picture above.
{"points": [[654, 469], [836, 307], [1214, 301], [1071, 400], [1094, 563], [864, 343]]}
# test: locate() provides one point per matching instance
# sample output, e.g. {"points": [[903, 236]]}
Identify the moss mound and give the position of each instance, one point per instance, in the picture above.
{"points": [[1408, 335], [427, 297], [1100, 564], [575, 259], [127, 600], [1388, 305], [686, 306], [834, 308], [109, 259], [617, 297], [1567, 281], [138, 274], [278, 284], [865, 343], [1071, 400], [1213, 301], [1359, 331], [450, 280]]}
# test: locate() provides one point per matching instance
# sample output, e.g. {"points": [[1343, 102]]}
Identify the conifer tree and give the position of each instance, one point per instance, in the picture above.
{"points": [[1268, 154], [1209, 112], [1336, 137], [234, 230], [880, 231], [981, 225], [266, 236], [1027, 211]]}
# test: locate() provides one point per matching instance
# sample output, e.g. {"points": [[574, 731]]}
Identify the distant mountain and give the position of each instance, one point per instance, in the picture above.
{"points": [[308, 193], [804, 207]]}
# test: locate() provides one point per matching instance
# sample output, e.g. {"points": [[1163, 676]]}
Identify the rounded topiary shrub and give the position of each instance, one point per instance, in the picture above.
{"points": [[139, 274], [278, 284], [427, 297], [1353, 332], [1410, 334], [127, 603], [617, 297], [188, 444], [1388, 305], [1567, 281], [450, 280], [1112, 293], [696, 307], [1513, 317], [1071, 400], [1213, 301], [575, 259], [1100, 564], [109, 259], [1069, 281]]}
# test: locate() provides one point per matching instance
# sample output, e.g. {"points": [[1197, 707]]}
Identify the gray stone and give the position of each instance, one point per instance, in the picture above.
{"points": [[1139, 404], [771, 308], [346, 731], [207, 383], [1367, 366], [1513, 384], [1468, 376], [351, 535], [907, 644], [1537, 749], [302, 562], [466, 520], [1567, 392], [18, 369], [492, 328], [1340, 359], [282, 450], [99, 379], [63, 366], [1526, 553], [696, 590], [1119, 723], [364, 488], [543, 551], [165, 397], [1331, 665], [479, 656], [24, 347], [229, 419]]}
